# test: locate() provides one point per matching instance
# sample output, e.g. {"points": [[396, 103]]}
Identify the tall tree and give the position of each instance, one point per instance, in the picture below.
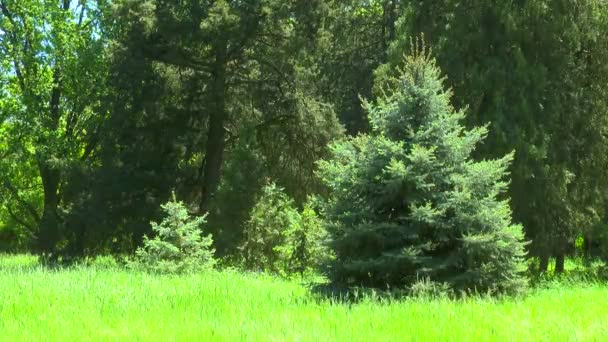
{"points": [[52, 83], [211, 98], [534, 70], [355, 43]]}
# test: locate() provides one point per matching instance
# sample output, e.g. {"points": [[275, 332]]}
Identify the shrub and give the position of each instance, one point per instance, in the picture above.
{"points": [[103, 262], [304, 248], [281, 240], [408, 202], [272, 216], [428, 289], [179, 246]]}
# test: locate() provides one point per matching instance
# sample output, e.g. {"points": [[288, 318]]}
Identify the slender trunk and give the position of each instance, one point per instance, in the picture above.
{"points": [[48, 235], [563, 247], [383, 32], [544, 263], [77, 245], [214, 151], [389, 17], [392, 18], [559, 263], [587, 242]]}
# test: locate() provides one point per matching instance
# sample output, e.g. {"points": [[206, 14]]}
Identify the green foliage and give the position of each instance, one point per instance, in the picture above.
{"points": [[408, 201], [266, 230], [280, 239], [179, 246], [210, 99], [52, 82], [598, 244], [105, 106], [428, 289], [537, 71], [103, 262], [305, 246], [355, 38]]}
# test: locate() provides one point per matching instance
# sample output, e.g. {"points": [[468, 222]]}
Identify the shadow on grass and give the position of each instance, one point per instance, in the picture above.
{"points": [[31, 263], [353, 295]]}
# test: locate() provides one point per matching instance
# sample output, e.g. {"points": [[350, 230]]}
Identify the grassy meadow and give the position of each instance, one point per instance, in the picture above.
{"points": [[108, 303]]}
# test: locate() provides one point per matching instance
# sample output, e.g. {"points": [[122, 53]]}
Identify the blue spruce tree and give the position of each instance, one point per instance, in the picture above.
{"points": [[408, 202]]}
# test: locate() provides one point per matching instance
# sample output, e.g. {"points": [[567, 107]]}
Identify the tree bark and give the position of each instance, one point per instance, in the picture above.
{"points": [[48, 234], [214, 150], [544, 263], [77, 246], [559, 263], [587, 243], [392, 19]]}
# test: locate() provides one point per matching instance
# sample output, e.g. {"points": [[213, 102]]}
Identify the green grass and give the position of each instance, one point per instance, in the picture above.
{"points": [[92, 303]]}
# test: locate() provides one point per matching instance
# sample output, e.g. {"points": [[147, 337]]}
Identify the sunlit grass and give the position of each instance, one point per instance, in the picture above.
{"points": [[89, 303]]}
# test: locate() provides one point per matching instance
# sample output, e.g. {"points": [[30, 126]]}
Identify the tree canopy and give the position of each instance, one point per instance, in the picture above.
{"points": [[107, 107]]}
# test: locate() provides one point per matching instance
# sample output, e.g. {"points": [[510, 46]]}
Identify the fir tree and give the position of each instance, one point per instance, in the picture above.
{"points": [[265, 232], [305, 245], [280, 239], [407, 200], [179, 246]]}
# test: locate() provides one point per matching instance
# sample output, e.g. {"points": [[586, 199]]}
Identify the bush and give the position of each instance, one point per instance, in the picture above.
{"points": [[103, 262], [281, 240], [304, 248], [428, 289], [408, 202], [265, 231], [179, 246]]}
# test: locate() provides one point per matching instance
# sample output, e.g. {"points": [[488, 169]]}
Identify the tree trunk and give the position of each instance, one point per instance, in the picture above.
{"points": [[564, 247], [587, 243], [559, 263], [48, 235], [388, 25], [544, 263], [77, 243], [214, 150], [392, 19]]}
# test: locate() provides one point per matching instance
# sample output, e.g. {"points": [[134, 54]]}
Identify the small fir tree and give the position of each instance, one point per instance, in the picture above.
{"points": [[281, 240], [179, 246], [271, 218], [305, 246], [408, 202]]}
